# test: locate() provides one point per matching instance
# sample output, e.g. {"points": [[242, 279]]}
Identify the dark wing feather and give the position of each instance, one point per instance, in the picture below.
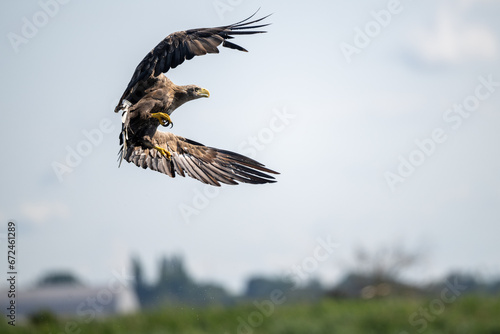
{"points": [[206, 164], [182, 45]]}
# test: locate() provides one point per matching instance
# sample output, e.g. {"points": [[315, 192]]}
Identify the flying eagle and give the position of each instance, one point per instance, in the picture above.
{"points": [[150, 98]]}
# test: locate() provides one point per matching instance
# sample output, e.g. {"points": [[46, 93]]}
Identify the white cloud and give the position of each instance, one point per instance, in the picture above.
{"points": [[453, 40], [44, 211]]}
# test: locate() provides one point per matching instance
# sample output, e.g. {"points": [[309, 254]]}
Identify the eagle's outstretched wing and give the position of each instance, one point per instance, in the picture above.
{"points": [[206, 164], [182, 45]]}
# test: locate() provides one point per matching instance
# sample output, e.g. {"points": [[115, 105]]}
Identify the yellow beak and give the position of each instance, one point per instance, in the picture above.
{"points": [[204, 93]]}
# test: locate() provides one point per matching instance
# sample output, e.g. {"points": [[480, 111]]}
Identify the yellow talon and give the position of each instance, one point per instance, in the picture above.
{"points": [[163, 118], [164, 152]]}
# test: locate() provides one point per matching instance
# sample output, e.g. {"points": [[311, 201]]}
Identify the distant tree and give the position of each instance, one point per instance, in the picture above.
{"points": [[143, 291], [468, 282], [173, 276], [261, 287], [138, 274], [174, 286], [386, 263], [377, 273], [59, 278]]}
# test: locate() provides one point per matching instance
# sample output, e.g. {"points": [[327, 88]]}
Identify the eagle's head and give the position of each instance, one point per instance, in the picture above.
{"points": [[195, 92], [187, 93]]}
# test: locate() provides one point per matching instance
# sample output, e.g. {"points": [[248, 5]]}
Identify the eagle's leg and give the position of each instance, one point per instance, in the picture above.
{"points": [[163, 118], [164, 152]]}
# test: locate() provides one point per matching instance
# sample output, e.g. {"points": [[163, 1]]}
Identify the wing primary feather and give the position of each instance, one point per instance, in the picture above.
{"points": [[250, 27], [187, 167], [195, 171], [227, 170], [248, 18], [232, 32], [218, 176], [233, 46], [245, 23], [200, 168], [245, 160], [221, 175], [251, 171]]}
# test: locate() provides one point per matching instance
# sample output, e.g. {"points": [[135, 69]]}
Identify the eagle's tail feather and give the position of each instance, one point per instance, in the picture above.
{"points": [[124, 133]]}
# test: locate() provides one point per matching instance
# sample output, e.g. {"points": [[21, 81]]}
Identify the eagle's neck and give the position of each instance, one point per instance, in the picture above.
{"points": [[181, 96]]}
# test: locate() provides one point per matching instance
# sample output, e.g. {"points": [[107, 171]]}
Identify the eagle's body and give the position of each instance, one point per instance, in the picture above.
{"points": [[151, 97], [157, 94]]}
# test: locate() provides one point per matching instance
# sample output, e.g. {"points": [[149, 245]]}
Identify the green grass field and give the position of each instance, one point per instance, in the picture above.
{"points": [[468, 314]]}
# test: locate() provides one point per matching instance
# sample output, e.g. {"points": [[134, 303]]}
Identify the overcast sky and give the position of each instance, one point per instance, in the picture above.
{"points": [[382, 118]]}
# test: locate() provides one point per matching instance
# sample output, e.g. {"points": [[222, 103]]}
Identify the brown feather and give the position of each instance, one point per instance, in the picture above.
{"points": [[206, 164], [150, 92], [181, 45]]}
